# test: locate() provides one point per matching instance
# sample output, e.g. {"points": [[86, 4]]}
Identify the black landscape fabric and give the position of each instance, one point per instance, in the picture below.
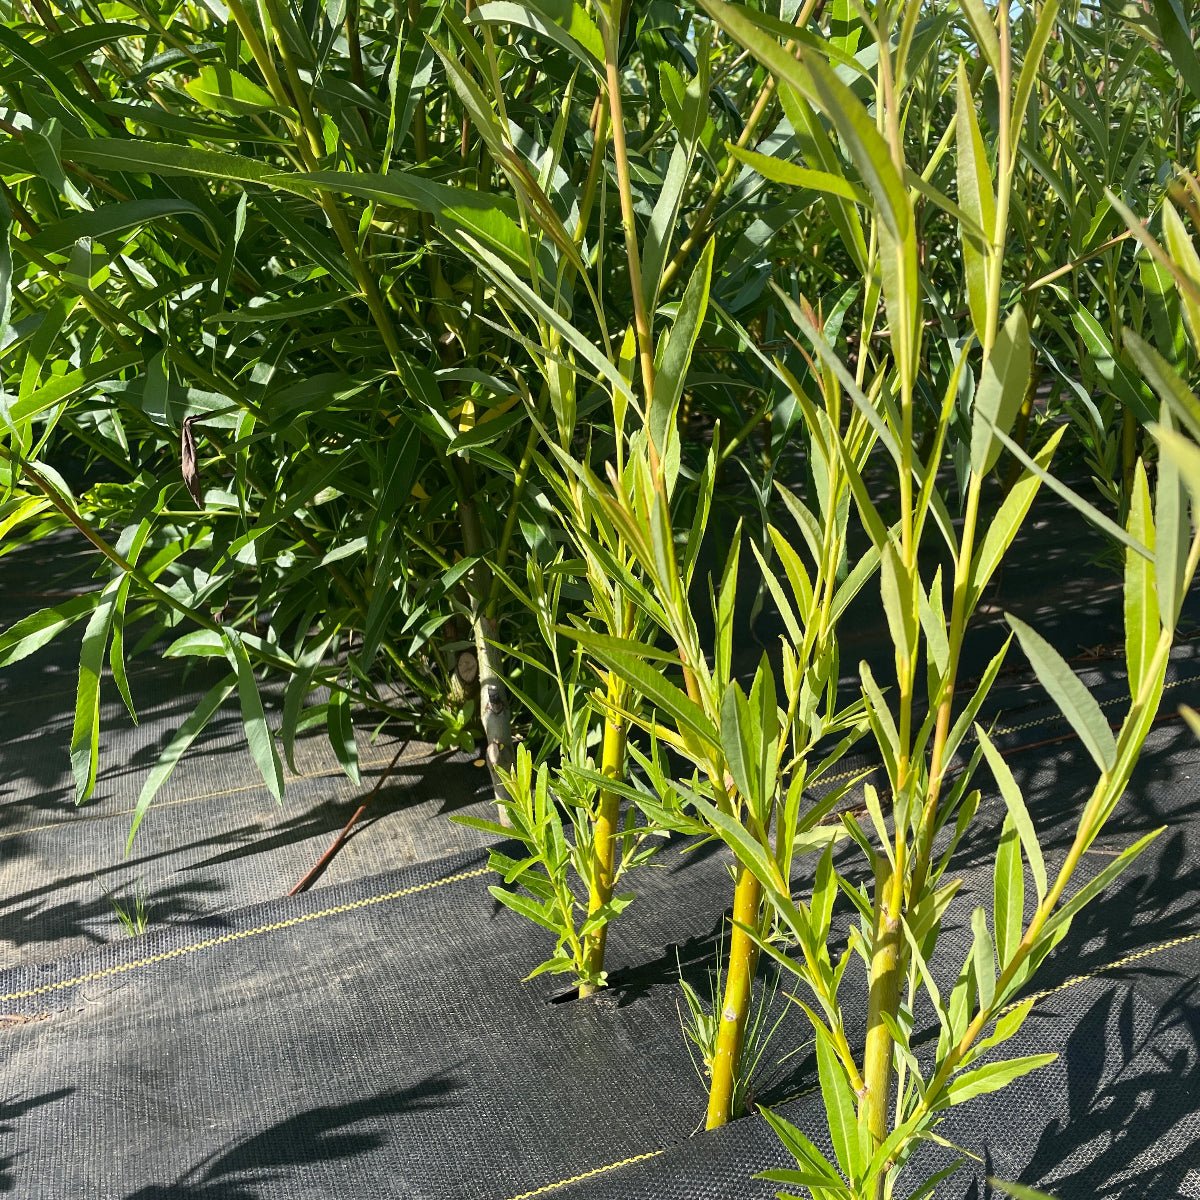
{"points": [[375, 1039]]}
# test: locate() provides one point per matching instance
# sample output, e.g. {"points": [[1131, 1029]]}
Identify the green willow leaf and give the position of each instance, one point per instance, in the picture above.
{"points": [[230, 92], [1074, 701], [991, 1078], [1047, 15], [565, 23], [85, 734], [1177, 34], [779, 170], [675, 359], [851, 1140], [819, 84], [258, 735], [33, 632], [108, 220], [1018, 813], [1141, 589], [1004, 527], [1172, 529], [341, 735], [977, 199], [1008, 903], [650, 683], [1167, 383], [167, 159], [1001, 390]]}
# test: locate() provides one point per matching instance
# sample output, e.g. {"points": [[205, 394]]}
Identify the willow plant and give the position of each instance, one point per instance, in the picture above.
{"points": [[263, 354], [554, 289], [880, 1100]]}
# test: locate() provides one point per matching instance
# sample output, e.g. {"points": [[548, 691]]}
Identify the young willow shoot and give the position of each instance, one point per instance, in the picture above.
{"points": [[881, 1100]]}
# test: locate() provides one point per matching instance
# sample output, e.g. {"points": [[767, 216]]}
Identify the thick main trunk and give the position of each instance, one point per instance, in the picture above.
{"points": [[495, 707], [495, 710]]}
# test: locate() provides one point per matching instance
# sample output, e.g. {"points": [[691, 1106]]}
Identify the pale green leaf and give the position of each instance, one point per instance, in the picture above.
{"points": [[254, 719], [1075, 702], [1000, 392]]}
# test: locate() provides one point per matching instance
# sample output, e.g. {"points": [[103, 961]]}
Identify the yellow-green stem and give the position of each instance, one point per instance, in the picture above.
{"points": [[604, 843], [735, 1003], [882, 999], [641, 317]]}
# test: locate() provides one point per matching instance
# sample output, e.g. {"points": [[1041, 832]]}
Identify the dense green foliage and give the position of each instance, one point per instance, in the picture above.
{"points": [[428, 360]]}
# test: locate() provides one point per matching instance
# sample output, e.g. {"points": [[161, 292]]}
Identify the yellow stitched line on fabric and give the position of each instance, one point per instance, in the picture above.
{"points": [[241, 934], [1137, 956], [551, 1187]]}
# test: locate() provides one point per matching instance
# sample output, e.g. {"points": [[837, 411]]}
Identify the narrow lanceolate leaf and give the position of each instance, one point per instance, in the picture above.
{"points": [[1141, 599], [165, 158], [1031, 67], [979, 17], [851, 1141], [1001, 390], [1010, 516], [663, 222], [531, 910], [814, 1164], [1184, 455], [677, 350], [1017, 811], [258, 734], [750, 852], [562, 21], [740, 736], [648, 681], [106, 221], [33, 632], [341, 734], [1008, 897], [1073, 498], [85, 735], [1018, 1191], [184, 736], [1172, 531], [977, 199], [1067, 912], [898, 606], [1167, 382], [1075, 702], [226, 91], [816, 80], [780, 170], [991, 1078], [131, 545], [1176, 33], [1183, 252], [983, 952]]}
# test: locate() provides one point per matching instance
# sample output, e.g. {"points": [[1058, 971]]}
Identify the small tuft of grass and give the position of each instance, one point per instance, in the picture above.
{"points": [[134, 912]]}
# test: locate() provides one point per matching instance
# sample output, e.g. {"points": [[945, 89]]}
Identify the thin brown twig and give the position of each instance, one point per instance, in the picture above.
{"points": [[318, 868]]}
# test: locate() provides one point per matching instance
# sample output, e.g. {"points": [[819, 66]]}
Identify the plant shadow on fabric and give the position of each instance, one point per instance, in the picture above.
{"points": [[326, 1134]]}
